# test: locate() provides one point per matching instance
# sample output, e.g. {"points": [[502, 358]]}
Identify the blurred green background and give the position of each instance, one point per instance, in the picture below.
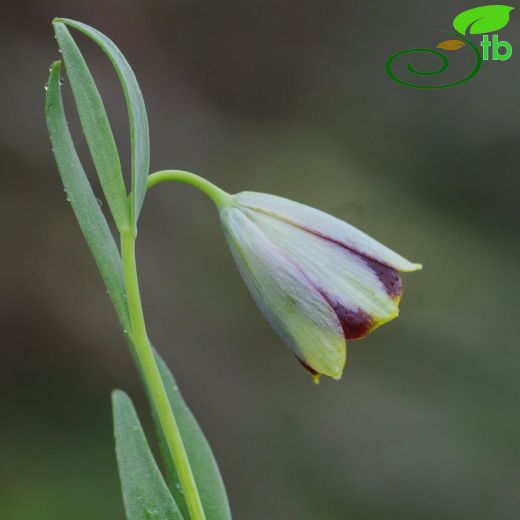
{"points": [[289, 97]]}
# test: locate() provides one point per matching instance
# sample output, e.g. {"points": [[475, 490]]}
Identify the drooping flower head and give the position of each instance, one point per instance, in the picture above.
{"points": [[318, 280]]}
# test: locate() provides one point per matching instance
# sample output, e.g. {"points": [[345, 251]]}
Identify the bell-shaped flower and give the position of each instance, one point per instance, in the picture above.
{"points": [[318, 280]]}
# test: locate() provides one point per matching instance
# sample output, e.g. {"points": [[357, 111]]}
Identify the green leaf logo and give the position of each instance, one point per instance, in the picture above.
{"points": [[484, 19]]}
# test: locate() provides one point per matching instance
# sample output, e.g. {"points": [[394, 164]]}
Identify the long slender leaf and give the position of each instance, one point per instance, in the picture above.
{"points": [[145, 493], [79, 192], [96, 127], [203, 464], [139, 133]]}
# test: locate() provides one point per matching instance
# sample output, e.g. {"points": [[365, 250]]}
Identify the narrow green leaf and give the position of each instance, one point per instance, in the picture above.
{"points": [[139, 133], [79, 192], [203, 464], [145, 493], [96, 127]]}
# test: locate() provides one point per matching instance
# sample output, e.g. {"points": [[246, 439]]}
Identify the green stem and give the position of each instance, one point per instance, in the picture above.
{"points": [[152, 378], [218, 196]]}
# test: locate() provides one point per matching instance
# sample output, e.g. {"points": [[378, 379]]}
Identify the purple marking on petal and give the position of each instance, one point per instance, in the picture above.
{"points": [[309, 369], [389, 277], [356, 323]]}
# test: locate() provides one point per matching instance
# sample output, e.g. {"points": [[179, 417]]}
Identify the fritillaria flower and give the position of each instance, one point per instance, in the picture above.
{"points": [[318, 280]]}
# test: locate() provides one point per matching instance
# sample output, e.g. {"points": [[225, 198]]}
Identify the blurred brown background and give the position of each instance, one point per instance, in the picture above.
{"points": [[289, 97]]}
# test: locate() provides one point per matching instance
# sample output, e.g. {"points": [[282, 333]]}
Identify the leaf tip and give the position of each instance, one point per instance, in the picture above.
{"points": [[118, 396], [56, 22], [50, 86]]}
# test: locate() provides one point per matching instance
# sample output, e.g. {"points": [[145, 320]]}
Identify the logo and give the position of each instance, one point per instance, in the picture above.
{"points": [[478, 21]]}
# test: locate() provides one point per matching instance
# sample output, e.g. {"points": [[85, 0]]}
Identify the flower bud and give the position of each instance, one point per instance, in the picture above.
{"points": [[318, 280]]}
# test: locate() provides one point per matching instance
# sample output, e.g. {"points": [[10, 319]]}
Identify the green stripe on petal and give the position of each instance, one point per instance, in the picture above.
{"points": [[293, 307], [325, 225]]}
